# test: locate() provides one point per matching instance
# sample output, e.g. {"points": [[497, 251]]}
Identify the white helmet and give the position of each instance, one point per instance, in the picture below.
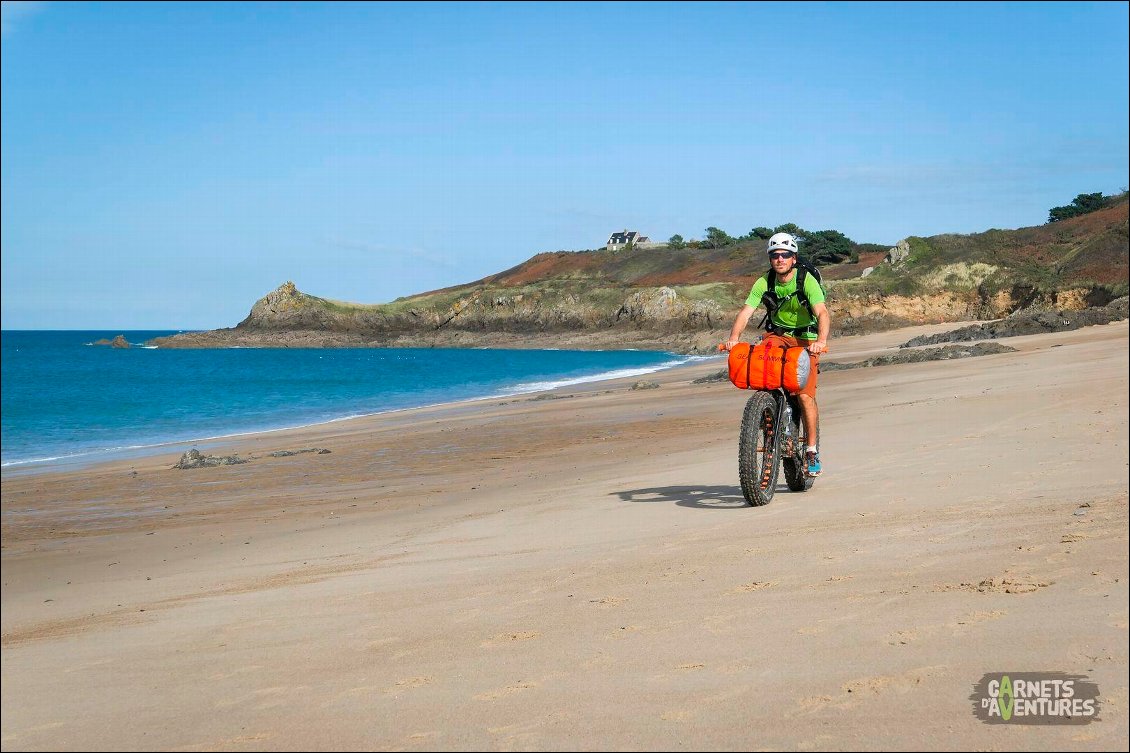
{"points": [[781, 242]]}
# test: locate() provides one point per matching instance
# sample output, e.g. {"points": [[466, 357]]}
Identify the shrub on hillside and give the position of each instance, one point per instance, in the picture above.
{"points": [[1084, 203]]}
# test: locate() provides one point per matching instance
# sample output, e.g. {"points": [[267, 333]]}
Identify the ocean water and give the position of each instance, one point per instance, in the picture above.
{"points": [[67, 401]]}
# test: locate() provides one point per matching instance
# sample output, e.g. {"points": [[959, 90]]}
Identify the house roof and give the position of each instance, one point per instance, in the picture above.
{"points": [[624, 236]]}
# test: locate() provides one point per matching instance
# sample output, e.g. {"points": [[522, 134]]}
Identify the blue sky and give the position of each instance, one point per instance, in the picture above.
{"points": [[165, 165]]}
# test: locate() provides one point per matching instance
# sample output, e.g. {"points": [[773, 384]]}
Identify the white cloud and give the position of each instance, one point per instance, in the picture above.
{"points": [[11, 11]]}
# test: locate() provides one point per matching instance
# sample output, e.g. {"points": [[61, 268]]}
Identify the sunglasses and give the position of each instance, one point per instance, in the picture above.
{"points": [[782, 255]]}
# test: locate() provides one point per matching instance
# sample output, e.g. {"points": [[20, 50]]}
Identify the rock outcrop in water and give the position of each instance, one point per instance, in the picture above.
{"points": [[118, 342]]}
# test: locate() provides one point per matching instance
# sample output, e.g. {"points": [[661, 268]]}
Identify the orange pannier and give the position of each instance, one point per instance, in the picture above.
{"points": [[768, 365]]}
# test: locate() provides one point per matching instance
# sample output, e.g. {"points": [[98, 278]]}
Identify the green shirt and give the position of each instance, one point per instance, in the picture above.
{"points": [[792, 314]]}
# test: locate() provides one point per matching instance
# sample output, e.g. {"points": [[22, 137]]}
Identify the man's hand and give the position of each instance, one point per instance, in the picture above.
{"points": [[728, 344], [818, 347]]}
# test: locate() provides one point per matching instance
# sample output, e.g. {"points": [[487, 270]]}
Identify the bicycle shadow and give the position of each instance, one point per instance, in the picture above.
{"points": [[701, 497]]}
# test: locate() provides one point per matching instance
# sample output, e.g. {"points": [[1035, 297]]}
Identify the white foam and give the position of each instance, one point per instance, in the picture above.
{"points": [[527, 387]]}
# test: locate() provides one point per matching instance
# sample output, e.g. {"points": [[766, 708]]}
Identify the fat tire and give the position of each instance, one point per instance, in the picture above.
{"points": [[758, 470]]}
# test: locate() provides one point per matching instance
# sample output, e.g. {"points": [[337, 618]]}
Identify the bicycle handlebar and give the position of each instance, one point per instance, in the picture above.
{"points": [[722, 347]]}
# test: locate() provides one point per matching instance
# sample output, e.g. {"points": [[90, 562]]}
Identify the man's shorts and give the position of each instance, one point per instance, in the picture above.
{"points": [[813, 376]]}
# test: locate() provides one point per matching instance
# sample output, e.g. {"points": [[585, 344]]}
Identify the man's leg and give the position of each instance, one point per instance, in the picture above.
{"points": [[811, 419], [811, 413]]}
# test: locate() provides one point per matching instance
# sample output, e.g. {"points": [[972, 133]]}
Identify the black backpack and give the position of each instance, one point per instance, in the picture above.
{"points": [[804, 268]]}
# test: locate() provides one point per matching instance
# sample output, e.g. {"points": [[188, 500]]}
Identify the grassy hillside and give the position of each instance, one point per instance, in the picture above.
{"points": [[1089, 251], [675, 298]]}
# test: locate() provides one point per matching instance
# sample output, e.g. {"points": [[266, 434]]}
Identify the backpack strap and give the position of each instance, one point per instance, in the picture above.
{"points": [[768, 300], [801, 278]]}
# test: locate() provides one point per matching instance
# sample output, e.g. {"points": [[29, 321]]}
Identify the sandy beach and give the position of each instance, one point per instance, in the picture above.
{"points": [[579, 571]]}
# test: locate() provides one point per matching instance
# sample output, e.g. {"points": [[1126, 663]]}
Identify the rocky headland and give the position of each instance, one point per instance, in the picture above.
{"points": [[684, 300]]}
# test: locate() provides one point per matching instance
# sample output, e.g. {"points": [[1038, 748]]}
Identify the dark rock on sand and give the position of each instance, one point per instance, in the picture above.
{"points": [[288, 453], [193, 459], [722, 375], [1030, 323], [947, 353]]}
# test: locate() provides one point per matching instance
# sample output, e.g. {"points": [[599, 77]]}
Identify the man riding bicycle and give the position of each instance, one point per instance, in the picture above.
{"points": [[800, 318]]}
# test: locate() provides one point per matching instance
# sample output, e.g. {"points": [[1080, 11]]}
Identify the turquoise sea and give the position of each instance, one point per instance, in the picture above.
{"points": [[67, 401]]}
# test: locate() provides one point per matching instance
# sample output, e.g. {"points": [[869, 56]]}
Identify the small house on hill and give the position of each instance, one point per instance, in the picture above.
{"points": [[625, 238]]}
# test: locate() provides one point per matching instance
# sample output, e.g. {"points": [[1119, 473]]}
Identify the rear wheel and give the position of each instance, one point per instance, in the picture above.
{"points": [[758, 449]]}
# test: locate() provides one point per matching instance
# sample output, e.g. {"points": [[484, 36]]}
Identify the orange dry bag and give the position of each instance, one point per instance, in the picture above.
{"points": [[768, 365]]}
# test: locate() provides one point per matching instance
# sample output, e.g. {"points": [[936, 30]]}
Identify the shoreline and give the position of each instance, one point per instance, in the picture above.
{"points": [[93, 458], [127, 452], [90, 457]]}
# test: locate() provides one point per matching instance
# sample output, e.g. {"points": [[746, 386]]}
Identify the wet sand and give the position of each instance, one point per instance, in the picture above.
{"points": [[580, 572]]}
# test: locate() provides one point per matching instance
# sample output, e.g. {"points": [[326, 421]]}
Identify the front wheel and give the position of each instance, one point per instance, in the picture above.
{"points": [[758, 449]]}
